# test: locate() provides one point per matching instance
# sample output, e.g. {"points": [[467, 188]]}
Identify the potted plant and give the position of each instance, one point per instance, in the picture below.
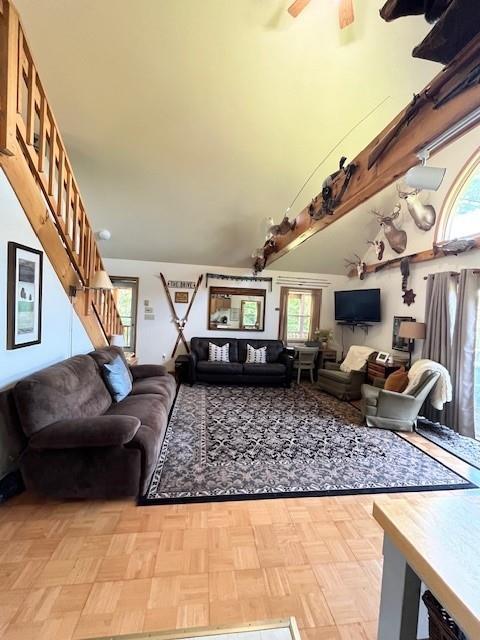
{"points": [[323, 336]]}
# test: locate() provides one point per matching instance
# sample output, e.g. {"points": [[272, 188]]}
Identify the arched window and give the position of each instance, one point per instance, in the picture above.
{"points": [[461, 217]]}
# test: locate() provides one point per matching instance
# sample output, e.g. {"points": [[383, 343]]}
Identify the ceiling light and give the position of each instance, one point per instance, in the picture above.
{"points": [[426, 178], [103, 234]]}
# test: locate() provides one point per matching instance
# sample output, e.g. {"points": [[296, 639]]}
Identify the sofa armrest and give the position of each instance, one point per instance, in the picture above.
{"points": [[192, 367], [140, 371], [99, 431], [331, 366], [395, 405]]}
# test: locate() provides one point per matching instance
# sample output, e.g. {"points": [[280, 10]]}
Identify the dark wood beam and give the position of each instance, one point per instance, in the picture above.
{"points": [[401, 154]]}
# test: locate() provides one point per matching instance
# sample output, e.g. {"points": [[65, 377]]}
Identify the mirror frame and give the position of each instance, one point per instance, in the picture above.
{"points": [[236, 291]]}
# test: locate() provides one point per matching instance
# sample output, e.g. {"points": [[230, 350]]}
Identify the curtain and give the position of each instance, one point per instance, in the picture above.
{"points": [[463, 353], [316, 310], [439, 318], [282, 323]]}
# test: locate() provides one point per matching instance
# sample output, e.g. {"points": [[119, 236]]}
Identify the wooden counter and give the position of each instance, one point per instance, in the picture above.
{"points": [[439, 538]]}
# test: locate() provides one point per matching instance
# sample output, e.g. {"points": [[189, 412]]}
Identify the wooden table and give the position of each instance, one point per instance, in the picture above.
{"points": [[381, 370], [434, 540]]}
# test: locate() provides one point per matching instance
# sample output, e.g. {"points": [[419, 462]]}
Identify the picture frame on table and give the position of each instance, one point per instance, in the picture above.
{"points": [[24, 296], [382, 357], [400, 344]]}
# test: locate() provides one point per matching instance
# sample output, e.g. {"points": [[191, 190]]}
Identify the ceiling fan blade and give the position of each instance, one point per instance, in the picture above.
{"points": [[297, 7], [346, 14]]}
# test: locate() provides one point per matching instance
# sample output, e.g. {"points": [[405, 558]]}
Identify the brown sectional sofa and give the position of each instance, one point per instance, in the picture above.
{"points": [[80, 443]]}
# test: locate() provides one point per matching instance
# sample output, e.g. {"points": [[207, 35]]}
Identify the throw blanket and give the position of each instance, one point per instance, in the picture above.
{"points": [[441, 392], [356, 358]]}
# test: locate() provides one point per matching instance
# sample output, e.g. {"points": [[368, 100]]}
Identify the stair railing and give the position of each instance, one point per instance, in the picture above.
{"points": [[27, 123]]}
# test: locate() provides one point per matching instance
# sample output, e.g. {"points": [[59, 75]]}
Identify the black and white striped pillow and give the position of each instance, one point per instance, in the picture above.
{"points": [[258, 356], [218, 354]]}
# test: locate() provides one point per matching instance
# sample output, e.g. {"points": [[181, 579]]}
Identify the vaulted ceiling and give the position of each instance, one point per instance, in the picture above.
{"points": [[190, 121]]}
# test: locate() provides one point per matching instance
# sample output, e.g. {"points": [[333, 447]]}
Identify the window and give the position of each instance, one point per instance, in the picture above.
{"points": [[462, 209], [126, 290], [250, 314], [300, 314]]}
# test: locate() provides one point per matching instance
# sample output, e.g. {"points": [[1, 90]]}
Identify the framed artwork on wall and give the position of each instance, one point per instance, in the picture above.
{"points": [[24, 296], [400, 344], [181, 296]]}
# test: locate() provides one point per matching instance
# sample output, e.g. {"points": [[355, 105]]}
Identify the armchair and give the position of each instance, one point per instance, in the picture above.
{"points": [[396, 411], [345, 386]]}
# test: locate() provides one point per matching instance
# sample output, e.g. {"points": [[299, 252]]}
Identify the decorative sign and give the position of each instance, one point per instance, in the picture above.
{"points": [[181, 284], [181, 296], [222, 276]]}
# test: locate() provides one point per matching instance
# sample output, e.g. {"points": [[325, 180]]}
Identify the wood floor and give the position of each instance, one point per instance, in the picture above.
{"points": [[84, 569]]}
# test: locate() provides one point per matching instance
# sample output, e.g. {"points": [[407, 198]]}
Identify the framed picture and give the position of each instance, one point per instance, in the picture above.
{"points": [[24, 296], [400, 344], [383, 357], [181, 296]]}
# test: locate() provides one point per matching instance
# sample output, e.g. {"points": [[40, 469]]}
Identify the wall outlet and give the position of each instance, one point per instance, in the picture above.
{"points": [[164, 356]]}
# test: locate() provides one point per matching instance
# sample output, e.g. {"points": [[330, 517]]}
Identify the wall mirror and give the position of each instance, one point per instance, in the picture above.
{"points": [[235, 309]]}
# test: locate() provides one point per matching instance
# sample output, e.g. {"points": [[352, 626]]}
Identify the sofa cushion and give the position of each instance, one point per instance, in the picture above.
{"points": [[164, 386], [219, 368], [264, 369], [199, 346], [70, 389], [257, 356], [274, 348], [218, 354], [106, 355], [117, 378], [151, 410], [397, 381]]}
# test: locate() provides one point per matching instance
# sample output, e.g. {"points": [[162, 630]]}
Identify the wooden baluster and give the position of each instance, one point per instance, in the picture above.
{"points": [[31, 82], [83, 244], [20, 59], [9, 30], [60, 186], [68, 204], [75, 225], [52, 159], [43, 133]]}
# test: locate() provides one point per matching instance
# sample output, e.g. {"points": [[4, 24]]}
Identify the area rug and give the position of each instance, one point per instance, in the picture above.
{"points": [[228, 442], [467, 449]]}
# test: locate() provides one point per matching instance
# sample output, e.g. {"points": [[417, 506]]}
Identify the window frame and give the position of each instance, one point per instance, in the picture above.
{"points": [[117, 282], [447, 211]]}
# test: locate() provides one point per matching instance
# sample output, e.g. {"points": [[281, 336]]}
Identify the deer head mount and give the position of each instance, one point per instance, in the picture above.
{"points": [[424, 215], [397, 238], [379, 247], [357, 264]]}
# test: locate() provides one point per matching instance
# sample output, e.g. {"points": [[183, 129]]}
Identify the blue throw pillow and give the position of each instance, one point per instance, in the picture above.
{"points": [[117, 378]]}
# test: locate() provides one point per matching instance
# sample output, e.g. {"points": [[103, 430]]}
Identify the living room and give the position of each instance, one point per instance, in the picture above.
{"points": [[240, 388]]}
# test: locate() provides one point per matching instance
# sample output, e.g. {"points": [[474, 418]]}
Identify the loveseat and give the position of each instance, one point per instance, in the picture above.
{"points": [[80, 444], [277, 370]]}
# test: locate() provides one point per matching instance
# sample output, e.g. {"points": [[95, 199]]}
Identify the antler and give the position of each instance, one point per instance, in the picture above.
{"points": [[396, 211], [378, 214]]}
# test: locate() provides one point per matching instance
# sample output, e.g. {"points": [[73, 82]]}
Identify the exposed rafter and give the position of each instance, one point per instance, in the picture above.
{"points": [[407, 134]]}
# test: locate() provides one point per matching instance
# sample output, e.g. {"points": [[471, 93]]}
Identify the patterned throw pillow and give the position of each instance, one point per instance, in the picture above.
{"points": [[258, 356], [218, 354]]}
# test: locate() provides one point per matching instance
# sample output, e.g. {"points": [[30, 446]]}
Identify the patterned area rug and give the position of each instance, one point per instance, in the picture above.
{"points": [[227, 442], [467, 449]]}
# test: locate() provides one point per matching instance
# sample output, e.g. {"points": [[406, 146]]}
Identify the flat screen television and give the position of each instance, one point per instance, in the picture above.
{"points": [[361, 305]]}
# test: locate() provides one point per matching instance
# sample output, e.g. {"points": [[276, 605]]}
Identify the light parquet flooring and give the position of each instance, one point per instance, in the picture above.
{"points": [[71, 570]]}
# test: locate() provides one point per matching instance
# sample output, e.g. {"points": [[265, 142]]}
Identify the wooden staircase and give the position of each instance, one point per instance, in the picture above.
{"points": [[35, 161]]}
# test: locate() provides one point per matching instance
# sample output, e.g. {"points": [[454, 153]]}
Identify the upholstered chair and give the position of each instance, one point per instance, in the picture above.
{"points": [[345, 386], [395, 411]]}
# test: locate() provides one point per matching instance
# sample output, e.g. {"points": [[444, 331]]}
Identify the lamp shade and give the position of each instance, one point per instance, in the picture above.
{"points": [[117, 340], [101, 281], [413, 330]]}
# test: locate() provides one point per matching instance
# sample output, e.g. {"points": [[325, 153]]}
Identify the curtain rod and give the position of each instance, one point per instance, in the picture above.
{"points": [[456, 274]]}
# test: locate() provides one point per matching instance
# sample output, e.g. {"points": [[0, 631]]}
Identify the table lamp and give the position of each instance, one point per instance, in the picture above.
{"points": [[412, 331]]}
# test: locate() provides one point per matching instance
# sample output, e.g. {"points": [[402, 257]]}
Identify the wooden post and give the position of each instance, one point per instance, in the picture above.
{"points": [[9, 29]]}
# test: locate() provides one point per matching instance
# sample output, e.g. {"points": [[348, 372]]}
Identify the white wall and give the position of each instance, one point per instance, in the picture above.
{"points": [[156, 338], [62, 332]]}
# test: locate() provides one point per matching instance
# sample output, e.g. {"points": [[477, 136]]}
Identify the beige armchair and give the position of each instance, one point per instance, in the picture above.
{"points": [[345, 386], [396, 411]]}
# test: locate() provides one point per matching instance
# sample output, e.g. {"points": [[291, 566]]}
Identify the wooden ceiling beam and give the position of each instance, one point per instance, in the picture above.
{"points": [[426, 126]]}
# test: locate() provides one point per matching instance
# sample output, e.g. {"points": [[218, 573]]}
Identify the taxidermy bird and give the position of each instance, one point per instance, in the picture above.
{"points": [[424, 215], [280, 229]]}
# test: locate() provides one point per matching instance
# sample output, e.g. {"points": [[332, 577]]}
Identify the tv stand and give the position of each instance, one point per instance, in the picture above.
{"points": [[364, 326]]}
